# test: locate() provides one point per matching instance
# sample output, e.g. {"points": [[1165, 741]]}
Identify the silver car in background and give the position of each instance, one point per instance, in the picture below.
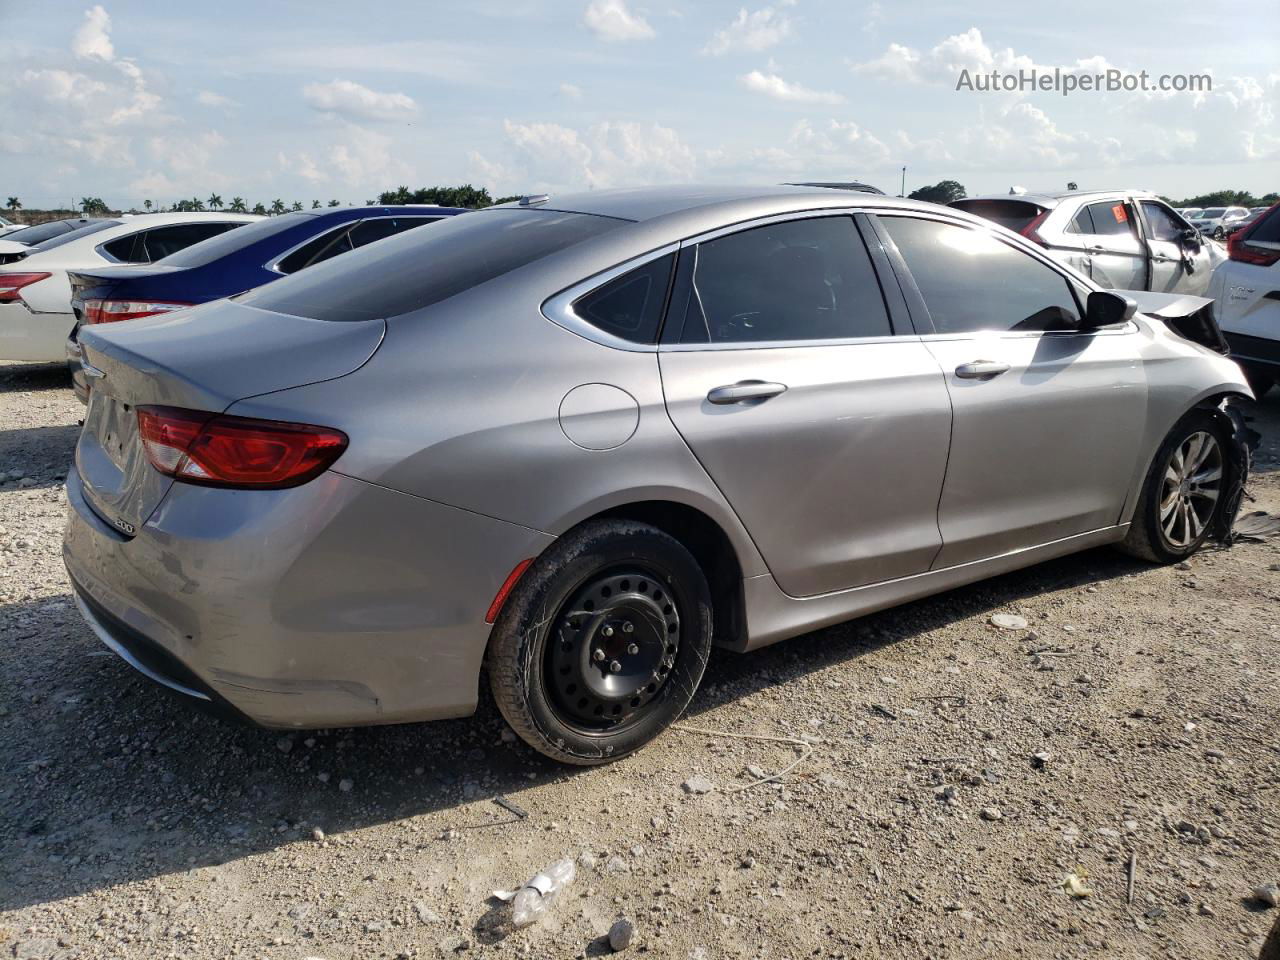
{"points": [[1121, 239], [579, 440]]}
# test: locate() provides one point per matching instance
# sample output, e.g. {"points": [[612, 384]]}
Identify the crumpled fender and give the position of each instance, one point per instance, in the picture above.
{"points": [[1239, 456], [1191, 318]]}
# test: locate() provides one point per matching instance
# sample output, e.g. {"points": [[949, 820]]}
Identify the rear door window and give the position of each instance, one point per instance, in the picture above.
{"points": [[422, 267], [1111, 218], [795, 280], [328, 244], [971, 280], [148, 246]]}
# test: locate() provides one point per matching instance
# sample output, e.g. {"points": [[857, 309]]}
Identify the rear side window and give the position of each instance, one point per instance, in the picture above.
{"points": [[228, 243], [81, 231], [1164, 225], [422, 267], [795, 280], [1110, 218], [971, 280], [1013, 214], [379, 228], [328, 244], [630, 306], [147, 246]]}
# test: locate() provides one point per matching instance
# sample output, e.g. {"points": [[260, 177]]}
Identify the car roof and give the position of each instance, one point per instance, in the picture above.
{"points": [[723, 203], [1051, 199]]}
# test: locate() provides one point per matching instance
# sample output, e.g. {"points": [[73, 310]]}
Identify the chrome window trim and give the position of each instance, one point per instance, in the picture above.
{"points": [[559, 307]]}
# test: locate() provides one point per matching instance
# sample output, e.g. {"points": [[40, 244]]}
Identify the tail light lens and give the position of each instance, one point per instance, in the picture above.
{"points": [[11, 284], [1239, 247], [1029, 231], [113, 311], [216, 450]]}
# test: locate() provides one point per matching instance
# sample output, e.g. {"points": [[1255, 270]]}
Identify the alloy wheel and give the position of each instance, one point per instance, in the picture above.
{"points": [[1189, 493]]}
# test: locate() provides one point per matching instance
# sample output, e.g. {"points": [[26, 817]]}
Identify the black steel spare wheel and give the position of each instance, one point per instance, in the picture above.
{"points": [[612, 648], [602, 643]]}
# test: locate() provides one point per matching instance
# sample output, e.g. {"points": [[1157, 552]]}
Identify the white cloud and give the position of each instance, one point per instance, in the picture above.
{"points": [[571, 91], [93, 39], [551, 156], [349, 99], [750, 32], [943, 62], [611, 20], [208, 98], [772, 85]]}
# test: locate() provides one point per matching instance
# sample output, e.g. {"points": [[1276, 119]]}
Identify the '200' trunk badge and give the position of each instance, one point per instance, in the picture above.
{"points": [[126, 526]]}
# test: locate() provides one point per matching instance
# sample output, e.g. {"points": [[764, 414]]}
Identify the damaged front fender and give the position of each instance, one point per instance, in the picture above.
{"points": [[1241, 443], [1192, 318]]}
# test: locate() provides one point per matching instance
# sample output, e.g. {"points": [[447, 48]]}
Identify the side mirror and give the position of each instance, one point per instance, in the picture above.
{"points": [[1106, 308]]}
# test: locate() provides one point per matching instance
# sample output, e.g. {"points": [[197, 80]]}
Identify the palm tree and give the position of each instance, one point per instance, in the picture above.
{"points": [[147, 204], [335, 203], [237, 205], [214, 201], [277, 206], [14, 204], [297, 205], [259, 209], [315, 204], [196, 204]]}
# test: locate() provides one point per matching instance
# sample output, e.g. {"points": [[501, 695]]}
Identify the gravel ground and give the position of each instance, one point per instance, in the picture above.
{"points": [[922, 823]]}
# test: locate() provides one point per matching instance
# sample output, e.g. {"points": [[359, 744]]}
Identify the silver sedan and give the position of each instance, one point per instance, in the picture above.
{"points": [[582, 439]]}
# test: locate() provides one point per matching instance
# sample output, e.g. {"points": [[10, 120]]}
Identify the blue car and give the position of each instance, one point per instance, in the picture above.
{"points": [[229, 264]]}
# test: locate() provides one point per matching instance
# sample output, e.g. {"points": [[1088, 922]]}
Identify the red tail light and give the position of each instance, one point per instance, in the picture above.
{"points": [[1029, 231], [216, 450], [11, 285], [1239, 247], [113, 311]]}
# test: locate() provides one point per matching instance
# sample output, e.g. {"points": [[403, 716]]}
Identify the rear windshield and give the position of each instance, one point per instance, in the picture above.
{"points": [[73, 235], [422, 267], [207, 251], [45, 231], [1014, 214], [1267, 230]]}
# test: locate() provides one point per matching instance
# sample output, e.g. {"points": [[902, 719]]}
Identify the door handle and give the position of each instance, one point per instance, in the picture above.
{"points": [[746, 391], [981, 369]]}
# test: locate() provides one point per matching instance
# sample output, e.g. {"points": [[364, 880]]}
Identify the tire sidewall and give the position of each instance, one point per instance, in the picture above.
{"points": [[527, 622]]}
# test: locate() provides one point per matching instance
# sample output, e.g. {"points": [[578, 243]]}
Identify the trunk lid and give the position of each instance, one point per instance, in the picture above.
{"points": [[103, 282], [205, 358]]}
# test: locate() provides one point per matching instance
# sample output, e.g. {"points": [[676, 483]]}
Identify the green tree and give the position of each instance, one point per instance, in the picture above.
{"points": [[942, 192], [93, 205], [277, 207], [147, 204], [14, 204], [297, 205], [214, 201], [238, 205], [463, 196], [259, 209], [1072, 185], [335, 203], [506, 199]]}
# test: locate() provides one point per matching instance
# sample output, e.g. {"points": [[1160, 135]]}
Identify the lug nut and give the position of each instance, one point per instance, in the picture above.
{"points": [[615, 667], [628, 626], [633, 648], [598, 656], [607, 631]]}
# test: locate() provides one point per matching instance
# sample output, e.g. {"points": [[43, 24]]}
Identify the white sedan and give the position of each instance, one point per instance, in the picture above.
{"points": [[8, 226], [35, 294], [1247, 290]]}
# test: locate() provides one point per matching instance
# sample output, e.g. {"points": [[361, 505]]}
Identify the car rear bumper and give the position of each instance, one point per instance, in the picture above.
{"points": [[37, 337], [1258, 351], [332, 604]]}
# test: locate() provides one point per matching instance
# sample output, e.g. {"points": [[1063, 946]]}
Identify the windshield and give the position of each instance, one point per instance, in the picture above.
{"points": [[73, 235], [1013, 214], [1212, 214], [207, 251], [422, 267]]}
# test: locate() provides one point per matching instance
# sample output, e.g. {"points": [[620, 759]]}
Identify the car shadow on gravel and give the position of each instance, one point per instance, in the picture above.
{"points": [[18, 377], [41, 454], [111, 780]]}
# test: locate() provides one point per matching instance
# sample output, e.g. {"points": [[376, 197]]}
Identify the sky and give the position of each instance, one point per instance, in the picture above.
{"points": [[132, 100]]}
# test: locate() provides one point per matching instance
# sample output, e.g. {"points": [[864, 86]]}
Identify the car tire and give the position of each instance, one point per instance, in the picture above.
{"points": [[602, 643], [1162, 530], [1218, 233]]}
